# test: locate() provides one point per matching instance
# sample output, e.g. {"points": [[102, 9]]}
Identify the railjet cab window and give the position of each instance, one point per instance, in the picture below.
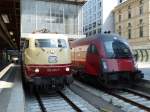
{"points": [[50, 43], [117, 49]]}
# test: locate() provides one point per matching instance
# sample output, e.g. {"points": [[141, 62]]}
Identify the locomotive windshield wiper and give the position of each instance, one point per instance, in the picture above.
{"points": [[43, 49], [61, 49]]}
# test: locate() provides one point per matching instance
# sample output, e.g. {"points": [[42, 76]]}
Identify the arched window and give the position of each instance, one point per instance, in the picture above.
{"points": [[141, 28], [129, 12], [119, 31], [129, 31]]}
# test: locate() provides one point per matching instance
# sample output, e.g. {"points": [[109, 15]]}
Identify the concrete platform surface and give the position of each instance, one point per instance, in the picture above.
{"points": [[11, 91], [3, 71], [145, 67]]}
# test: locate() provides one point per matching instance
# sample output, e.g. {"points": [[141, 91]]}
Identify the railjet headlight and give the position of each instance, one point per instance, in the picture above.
{"points": [[136, 65], [104, 65], [36, 70], [67, 69]]}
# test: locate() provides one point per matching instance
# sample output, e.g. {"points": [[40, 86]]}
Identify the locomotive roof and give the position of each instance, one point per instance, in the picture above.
{"points": [[45, 35], [110, 36], [101, 36]]}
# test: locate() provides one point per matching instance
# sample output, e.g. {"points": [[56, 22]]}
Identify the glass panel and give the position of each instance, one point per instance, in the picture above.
{"points": [[49, 43], [117, 49], [62, 43], [55, 16], [26, 44]]}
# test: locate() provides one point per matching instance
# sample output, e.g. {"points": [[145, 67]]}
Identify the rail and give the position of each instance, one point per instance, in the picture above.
{"points": [[124, 97], [75, 107], [142, 55], [42, 102], [39, 100]]}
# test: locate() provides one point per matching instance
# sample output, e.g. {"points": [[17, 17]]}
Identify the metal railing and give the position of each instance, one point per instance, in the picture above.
{"points": [[142, 55]]}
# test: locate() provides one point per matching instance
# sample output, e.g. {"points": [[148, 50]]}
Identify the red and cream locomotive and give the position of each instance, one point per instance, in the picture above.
{"points": [[47, 60]]}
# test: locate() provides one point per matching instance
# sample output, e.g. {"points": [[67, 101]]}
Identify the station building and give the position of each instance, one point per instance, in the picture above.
{"points": [[58, 16], [9, 30], [98, 16], [132, 22]]}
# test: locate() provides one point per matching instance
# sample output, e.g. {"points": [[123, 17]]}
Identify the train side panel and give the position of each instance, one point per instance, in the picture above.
{"points": [[79, 59], [84, 59]]}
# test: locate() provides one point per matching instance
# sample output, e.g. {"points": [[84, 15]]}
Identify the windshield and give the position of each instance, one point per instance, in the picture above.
{"points": [[117, 49], [51, 43]]}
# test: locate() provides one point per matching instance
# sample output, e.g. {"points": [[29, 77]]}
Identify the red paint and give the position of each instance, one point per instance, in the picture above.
{"points": [[47, 70], [92, 62], [118, 65]]}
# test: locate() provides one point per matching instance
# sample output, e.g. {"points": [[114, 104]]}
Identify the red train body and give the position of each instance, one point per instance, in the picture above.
{"points": [[106, 57]]}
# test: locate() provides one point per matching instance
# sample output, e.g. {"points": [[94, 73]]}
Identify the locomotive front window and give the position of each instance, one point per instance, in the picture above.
{"points": [[62, 43], [117, 49], [26, 44], [51, 43], [48, 43]]}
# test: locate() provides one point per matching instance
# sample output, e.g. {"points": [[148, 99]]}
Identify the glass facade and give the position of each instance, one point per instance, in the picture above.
{"points": [[92, 17], [98, 16], [55, 16]]}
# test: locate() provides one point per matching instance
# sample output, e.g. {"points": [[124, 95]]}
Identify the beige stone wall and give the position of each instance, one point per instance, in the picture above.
{"points": [[122, 9]]}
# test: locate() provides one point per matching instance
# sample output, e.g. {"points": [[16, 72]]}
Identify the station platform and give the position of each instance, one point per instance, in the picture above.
{"points": [[145, 67], [11, 89]]}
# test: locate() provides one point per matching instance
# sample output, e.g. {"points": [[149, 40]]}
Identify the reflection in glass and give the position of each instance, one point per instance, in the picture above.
{"points": [[54, 16]]}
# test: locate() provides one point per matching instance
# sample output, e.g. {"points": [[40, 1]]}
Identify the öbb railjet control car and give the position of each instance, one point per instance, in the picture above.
{"points": [[106, 57], [47, 60]]}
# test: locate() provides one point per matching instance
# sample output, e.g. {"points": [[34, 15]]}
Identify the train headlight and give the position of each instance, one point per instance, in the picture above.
{"points": [[67, 69], [104, 65], [136, 65], [36, 70]]}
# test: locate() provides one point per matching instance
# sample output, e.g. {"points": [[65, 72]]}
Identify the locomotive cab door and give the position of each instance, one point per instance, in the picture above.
{"points": [[92, 60], [25, 46]]}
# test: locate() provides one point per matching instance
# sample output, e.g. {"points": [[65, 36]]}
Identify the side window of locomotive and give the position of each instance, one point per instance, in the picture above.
{"points": [[62, 43], [37, 43], [26, 44], [89, 49], [92, 49]]}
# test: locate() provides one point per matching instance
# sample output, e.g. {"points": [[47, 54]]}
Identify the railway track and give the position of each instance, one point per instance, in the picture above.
{"points": [[133, 97], [56, 102], [128, 99]]}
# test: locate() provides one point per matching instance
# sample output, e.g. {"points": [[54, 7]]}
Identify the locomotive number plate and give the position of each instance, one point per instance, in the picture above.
{"points": [[52, 59]]}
